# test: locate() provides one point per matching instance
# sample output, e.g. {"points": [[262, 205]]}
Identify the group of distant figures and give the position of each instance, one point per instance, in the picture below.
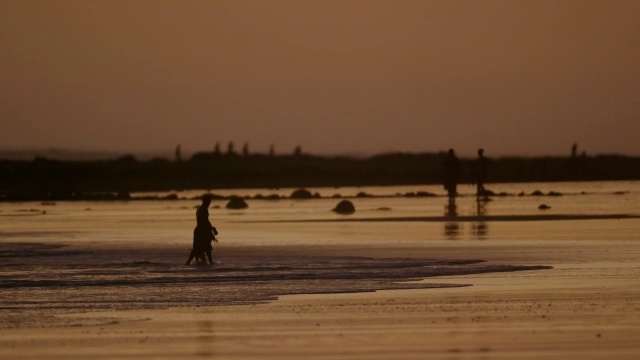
{"points": [[452, 173], [231, 150]]}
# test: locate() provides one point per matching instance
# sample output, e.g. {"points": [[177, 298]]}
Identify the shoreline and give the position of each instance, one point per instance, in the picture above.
{"points": [[586, 306], [404, 324], [477, 218], [50, 197]]}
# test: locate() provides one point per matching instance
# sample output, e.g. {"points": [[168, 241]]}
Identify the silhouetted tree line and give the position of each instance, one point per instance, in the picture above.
{"points": [[54, 179]]}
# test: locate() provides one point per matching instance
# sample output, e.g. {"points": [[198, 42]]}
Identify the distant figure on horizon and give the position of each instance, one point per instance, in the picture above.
{"points": [[451, 175], [203, 234], [577, 166], [178, 153], [230, 150], [479, 174]]}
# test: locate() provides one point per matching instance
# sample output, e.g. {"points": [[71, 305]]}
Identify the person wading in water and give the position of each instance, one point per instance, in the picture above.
{"points": [[203, 234]]}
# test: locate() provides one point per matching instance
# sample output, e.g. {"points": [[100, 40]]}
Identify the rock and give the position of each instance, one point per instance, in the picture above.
{"points": [[544, 207], [419, 194], [301, 194], [487, 192], [123, 195], [236, 203], [537, 193], [344, 207], [213, 197]]}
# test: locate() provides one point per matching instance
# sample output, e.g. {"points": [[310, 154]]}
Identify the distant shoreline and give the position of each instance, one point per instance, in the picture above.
{"points": [[46, 179], [50, 198]]}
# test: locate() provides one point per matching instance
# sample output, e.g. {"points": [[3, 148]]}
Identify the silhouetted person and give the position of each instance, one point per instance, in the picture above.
{"points": [[572, 160], [178, 153], [272, 151], [217, 149], [297, 151], [203, 234], [245, 149], [451, 175], [230, 150], [479, 174]]}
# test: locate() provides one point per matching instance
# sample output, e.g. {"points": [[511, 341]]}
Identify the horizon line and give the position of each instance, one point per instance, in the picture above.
{"points": [[59, 153]]}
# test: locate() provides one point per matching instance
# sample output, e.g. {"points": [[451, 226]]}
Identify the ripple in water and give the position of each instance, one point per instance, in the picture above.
{"points": [[30, 291]]}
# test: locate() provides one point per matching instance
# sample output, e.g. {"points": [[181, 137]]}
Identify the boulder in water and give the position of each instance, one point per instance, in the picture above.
{"points": [[344, 207], [301, 194], [237, 203]]}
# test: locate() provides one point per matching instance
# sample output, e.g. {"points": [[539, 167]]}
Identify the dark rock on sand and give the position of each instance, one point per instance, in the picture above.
{"points": [[419, 194], [268, 197], [544, 207], [344, 207], [301, 194], [237, 203]]}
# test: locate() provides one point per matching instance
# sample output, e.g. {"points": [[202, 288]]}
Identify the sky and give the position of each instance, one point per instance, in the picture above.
{"points": [[526, 78]]}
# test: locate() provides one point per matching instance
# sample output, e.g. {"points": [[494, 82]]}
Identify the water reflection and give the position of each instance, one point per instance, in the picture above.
{"points": [[452, 227], [479, 228], [453, 224]]}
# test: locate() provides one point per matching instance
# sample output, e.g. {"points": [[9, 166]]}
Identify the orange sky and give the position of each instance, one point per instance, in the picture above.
{"points": [[336, 77]]}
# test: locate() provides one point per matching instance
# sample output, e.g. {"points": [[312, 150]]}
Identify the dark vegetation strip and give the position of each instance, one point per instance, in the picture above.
{"points": [[215, 171]]}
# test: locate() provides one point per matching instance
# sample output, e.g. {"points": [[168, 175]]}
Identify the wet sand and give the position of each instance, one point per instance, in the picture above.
{"points": [[475, 218], [587, 306]]}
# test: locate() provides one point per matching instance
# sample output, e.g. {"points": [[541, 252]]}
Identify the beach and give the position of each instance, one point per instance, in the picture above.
{"points": [[404, 289]]}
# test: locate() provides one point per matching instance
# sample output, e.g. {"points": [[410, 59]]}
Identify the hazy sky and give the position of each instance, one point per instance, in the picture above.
{"points": [[514, 77]]}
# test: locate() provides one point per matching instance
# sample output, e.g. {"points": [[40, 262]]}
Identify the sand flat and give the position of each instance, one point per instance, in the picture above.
{"points": [[587, 306], [583, 300]]}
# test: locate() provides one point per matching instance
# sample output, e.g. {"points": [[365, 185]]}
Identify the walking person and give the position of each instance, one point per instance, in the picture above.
{"points": [[203, 234], [451, 175], [479, 175]]}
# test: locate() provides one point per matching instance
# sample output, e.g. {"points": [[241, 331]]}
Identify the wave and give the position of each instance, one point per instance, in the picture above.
{"points": [[70, 283], [236, 280]]}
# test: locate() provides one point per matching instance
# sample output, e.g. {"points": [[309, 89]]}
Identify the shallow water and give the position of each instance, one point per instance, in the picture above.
{"points": [[72, 257]]}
